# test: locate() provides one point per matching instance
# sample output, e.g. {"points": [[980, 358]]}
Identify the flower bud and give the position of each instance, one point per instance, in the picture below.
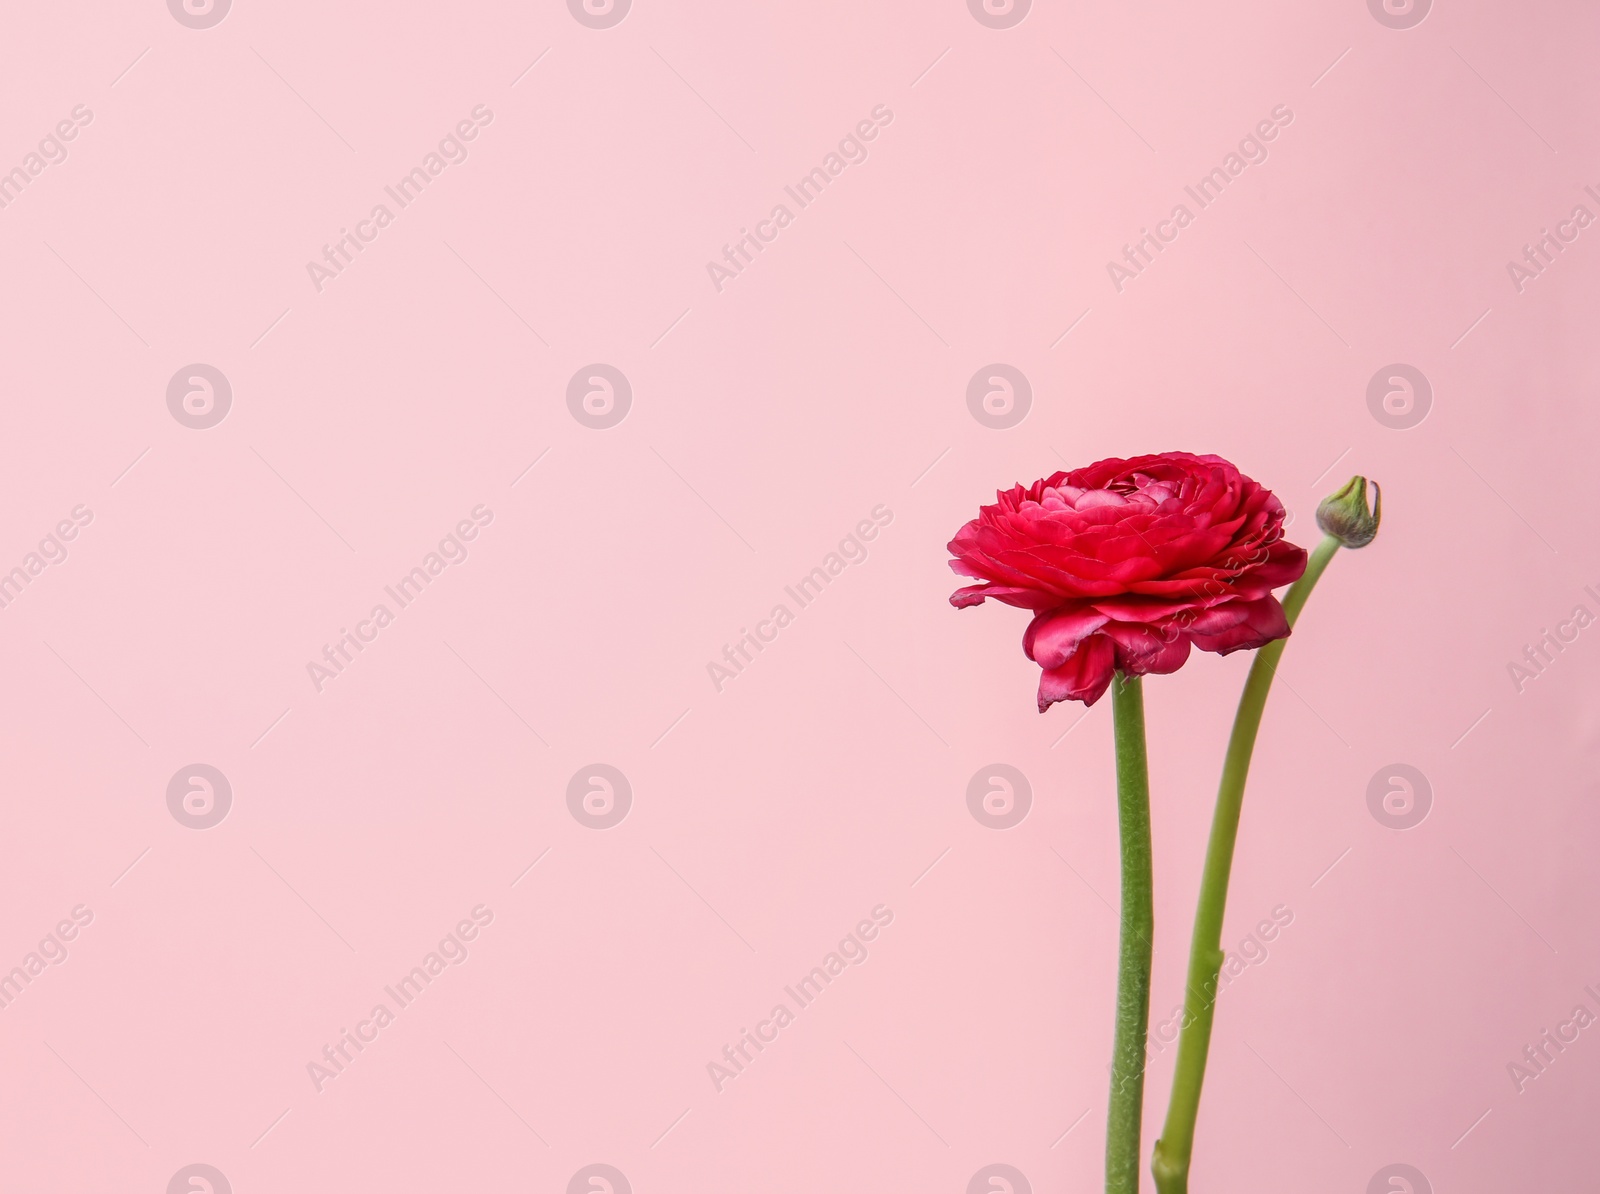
{"points": [[1345, 516]]}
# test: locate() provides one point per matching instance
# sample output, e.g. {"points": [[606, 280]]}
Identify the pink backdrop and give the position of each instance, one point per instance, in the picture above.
{"points": [[216, 461]]}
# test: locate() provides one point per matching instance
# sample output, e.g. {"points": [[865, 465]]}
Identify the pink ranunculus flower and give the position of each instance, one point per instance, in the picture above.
{"points": [[1128, 563]]}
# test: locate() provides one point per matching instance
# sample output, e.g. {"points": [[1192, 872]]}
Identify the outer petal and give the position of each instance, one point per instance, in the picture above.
{"points": [[1283, 566], [1148, 610], [1034, 599], [1262, 622], [1219, 620], [1148, 650], [1053, 636], [1084, 677]]}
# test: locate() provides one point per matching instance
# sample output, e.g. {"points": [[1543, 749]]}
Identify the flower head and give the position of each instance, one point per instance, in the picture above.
{"points": [[1126, 564], [1345, 515]]}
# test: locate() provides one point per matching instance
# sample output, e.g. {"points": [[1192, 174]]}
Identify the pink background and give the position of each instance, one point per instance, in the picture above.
{"points": [[828, 378]]}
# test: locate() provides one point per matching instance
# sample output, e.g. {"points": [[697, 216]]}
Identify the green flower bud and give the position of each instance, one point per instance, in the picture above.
{"points": [[1345, 516]]}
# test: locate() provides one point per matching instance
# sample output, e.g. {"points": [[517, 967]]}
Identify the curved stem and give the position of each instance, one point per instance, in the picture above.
{"points": [[1123, 1153], [1171, 1162]]}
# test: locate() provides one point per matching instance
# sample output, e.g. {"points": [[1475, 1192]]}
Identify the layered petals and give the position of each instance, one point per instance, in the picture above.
{"points": [[1128, 564]]}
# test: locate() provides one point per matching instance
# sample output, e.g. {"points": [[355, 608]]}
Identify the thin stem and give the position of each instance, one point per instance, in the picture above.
{"points": [[1123, 1153], [1173, 1149]]}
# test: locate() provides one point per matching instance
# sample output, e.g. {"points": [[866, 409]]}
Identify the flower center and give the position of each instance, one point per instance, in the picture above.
{"points": [[1140, 491]]}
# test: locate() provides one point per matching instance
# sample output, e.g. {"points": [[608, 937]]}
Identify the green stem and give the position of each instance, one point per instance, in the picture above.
{"points": [[1171, 1162], [1123, 1153]]}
